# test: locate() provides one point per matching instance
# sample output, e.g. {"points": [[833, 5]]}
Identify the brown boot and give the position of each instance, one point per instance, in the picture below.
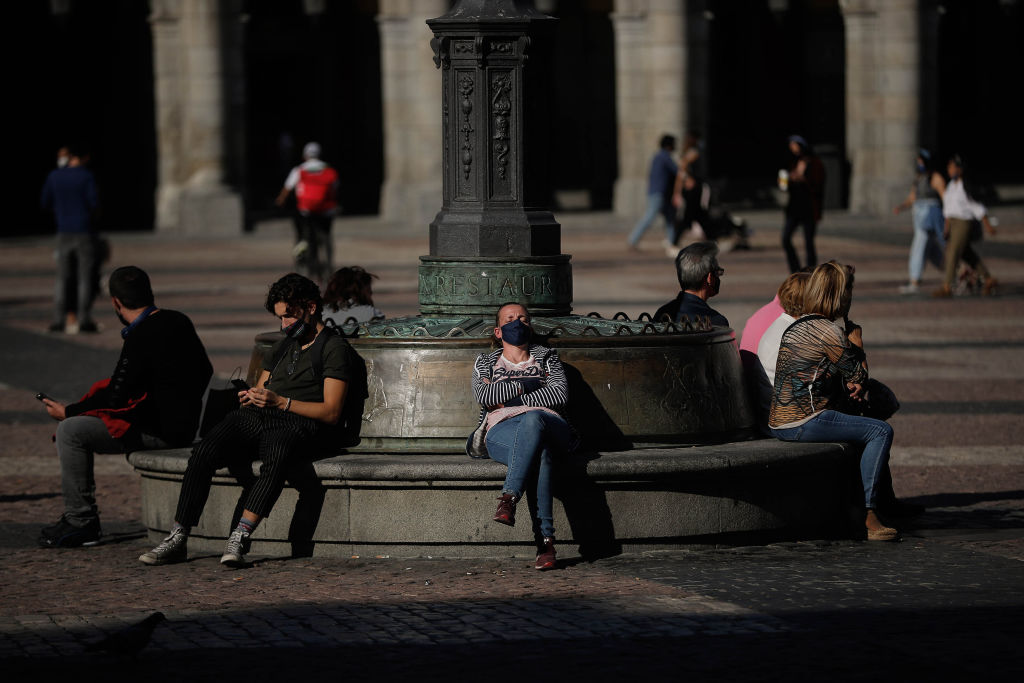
{"points": [[506, 512], [546, 558], [943, 292], [990, 286]]}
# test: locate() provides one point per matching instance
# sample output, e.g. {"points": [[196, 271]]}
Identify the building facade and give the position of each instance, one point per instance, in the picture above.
{"points": [[194, 110]]}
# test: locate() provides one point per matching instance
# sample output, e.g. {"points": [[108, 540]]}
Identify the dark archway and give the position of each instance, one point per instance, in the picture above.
{"points": [[758, 74], [585, 154], [312, 76], [973, 53], [84, 77]]}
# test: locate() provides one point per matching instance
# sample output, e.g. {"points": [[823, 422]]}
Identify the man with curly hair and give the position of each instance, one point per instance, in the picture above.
{"points": [[300, 393]]}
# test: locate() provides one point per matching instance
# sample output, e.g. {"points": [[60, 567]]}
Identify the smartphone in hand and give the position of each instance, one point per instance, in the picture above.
{"points": [[41, 396]]}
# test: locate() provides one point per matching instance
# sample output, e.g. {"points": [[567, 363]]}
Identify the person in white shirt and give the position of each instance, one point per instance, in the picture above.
{"points": [[960, 209], [791, 298]]}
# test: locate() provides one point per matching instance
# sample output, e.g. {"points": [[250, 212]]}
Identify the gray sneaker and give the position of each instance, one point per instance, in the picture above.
{"points": [[237, 547], [172, 549]]}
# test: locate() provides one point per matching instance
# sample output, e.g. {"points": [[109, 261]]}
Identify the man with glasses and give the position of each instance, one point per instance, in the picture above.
{"points": [[300, 393], [700, 278]]}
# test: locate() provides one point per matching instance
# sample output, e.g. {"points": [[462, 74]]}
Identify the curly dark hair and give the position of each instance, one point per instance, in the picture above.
{"points": [[297, 292], [349, 284]]}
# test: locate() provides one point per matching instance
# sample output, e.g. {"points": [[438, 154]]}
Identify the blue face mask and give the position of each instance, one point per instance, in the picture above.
{"points": [[920, 168], [295, 330], [515, 333]]}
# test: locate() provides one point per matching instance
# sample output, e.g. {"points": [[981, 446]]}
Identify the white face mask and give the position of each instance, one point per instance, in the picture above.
{"points": [[62, 161]]}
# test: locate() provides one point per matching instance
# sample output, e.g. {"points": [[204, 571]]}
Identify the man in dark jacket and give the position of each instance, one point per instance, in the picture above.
{"points": [[700, 278], [152, 400], [70, 192]]}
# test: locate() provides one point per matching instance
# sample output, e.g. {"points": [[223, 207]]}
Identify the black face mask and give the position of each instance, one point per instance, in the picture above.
{"points": [[515, 333], [296, 330]]}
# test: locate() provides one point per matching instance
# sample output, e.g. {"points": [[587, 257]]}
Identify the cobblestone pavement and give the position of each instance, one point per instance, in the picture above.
{"points": [[946, 603]]}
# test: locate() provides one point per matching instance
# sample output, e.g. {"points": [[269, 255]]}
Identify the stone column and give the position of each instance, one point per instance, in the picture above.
{"points": [[882, 86], [191, 197], [412, 111], [650, 85]]}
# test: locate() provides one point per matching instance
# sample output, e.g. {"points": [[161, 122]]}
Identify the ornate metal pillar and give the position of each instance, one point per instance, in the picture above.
{"points": [[494, 239]]}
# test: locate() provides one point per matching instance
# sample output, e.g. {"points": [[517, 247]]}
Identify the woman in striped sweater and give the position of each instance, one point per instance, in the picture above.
{"points": [[521, 388]]}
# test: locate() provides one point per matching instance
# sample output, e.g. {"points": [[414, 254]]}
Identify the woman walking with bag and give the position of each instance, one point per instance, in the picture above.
{"points": [[521, 388], [960, 210]]}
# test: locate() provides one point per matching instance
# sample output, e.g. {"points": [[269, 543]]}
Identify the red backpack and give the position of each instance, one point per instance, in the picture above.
{"points": [[315, 190]]}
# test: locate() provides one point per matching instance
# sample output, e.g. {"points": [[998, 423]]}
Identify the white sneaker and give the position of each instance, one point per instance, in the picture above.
{"points": [[172, 549], [909, 289], [237, 547]]}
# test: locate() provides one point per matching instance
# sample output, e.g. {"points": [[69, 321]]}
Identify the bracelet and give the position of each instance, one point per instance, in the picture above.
{"points": [[288, 405]]}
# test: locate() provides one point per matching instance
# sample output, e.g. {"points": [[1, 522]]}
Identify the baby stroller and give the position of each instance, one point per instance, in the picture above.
{"points": [[700, 221]]}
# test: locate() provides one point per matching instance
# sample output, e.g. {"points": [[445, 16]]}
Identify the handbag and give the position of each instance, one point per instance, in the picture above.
{"points": [[477, 446], [221, 402]]}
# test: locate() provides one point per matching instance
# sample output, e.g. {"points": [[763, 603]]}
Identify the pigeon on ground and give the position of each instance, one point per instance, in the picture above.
{"points": [[131, 639]]}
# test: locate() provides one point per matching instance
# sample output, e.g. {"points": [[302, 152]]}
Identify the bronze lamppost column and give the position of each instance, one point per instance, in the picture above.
{"points": [[494, 239]]}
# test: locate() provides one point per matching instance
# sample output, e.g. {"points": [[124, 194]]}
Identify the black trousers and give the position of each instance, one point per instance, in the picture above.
{"points": [[793, 221], [272, 436]]}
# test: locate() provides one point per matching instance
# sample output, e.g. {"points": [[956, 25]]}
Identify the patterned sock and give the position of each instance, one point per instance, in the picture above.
{"points": [[246, 526]]}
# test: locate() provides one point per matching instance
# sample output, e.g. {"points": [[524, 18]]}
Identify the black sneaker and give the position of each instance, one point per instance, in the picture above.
{"points": [[89, 327], [63, 534]]}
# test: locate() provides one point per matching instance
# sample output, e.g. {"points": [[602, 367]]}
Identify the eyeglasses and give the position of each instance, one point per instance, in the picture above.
{"points": [[290, 368]]}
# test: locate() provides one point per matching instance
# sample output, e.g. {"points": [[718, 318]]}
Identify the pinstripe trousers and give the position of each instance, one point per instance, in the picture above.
{"points": [[270, 435]]}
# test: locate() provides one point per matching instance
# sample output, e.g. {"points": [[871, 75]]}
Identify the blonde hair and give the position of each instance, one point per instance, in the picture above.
{"points": [[791, 293], [829, 291]]}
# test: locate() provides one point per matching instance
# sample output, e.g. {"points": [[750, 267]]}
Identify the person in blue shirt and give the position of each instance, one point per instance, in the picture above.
{"points": [[70, 192], [659, 193], [700, 278]]}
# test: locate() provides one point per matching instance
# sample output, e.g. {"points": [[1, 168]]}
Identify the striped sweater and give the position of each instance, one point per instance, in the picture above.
{"points": [[554, 394]]}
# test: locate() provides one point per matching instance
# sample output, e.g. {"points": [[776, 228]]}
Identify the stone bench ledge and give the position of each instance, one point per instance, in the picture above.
{"points": [[637, 464]]}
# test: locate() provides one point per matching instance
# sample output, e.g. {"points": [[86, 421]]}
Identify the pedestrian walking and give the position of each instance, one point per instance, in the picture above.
{"points": [[316, 197], [925, 200], [70, 192], [963, 216], [659, 194], [804, 179]]}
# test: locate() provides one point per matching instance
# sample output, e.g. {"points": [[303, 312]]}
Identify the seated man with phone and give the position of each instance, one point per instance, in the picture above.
{"points": [[299, 396], [152, 400]]}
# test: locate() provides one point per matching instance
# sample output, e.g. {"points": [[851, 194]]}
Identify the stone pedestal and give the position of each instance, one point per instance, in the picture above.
{"points": [[189, 83], [882, 89], [650, 77]]}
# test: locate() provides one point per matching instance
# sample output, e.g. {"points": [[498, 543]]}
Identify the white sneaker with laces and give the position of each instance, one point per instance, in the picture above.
{"points": [[172, 549], [237, 547]]}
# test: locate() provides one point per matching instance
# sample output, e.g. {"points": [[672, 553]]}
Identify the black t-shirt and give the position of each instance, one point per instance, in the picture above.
{"points": [[293, 377]]}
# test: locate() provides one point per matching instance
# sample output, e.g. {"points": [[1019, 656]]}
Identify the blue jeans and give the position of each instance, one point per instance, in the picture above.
{"points": [[928, 240], [874, 435], [525, 443], [656, 203]]}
